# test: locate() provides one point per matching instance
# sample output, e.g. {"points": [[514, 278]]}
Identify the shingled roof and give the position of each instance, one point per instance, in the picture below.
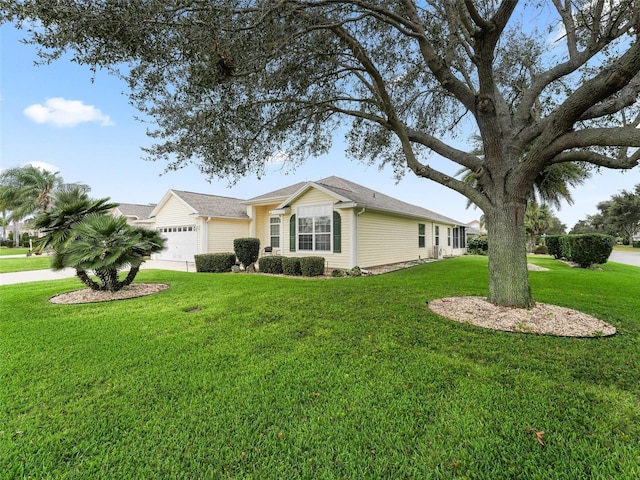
{"points": [[277, 195], [364, 196], [350, 192], [213, 205], [139, 212]]}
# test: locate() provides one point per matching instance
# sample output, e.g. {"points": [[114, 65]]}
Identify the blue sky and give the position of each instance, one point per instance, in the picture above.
{"points": [[86, 129]]}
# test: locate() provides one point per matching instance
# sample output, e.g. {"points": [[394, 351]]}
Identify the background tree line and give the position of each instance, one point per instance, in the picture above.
{"points": [[618, 216]]}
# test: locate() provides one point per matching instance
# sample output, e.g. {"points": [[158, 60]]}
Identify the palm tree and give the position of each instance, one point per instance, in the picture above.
{"points": [[30, 188], [550, 187], [537, 220], [105, 244], [83, 236]]}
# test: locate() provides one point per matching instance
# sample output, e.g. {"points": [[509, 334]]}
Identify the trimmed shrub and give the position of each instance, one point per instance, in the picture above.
{"points": [[565, 247], [355, 272], [312, 266], [291, 266], [590, 248], [337, 273], [540, 250], [478, 245], [636, 244], [215, 262], [554, 246], [247, 250], [271, 264]]}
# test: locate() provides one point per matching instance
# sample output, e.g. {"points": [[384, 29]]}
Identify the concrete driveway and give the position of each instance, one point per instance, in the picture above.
{"points": [[40, 275], [628, 258]]}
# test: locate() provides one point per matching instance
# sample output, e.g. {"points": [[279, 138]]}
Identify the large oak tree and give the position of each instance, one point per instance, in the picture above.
{"points": [[232, 82]]}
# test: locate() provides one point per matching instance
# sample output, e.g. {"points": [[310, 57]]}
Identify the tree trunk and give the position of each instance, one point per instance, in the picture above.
{"points": [[130, 276], [508, 273], [84, 278], [109, 279]]}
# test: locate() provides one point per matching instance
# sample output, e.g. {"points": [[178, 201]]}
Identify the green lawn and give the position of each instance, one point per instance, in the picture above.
{"points": [[263, 377], [24, 264], [13, 251]]}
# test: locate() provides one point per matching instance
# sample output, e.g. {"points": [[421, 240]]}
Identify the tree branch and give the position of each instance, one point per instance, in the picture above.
{"points": [[463, 158], [620, 163]]}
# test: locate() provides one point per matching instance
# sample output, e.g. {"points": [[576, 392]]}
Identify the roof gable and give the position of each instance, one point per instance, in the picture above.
{"points": [[206, 205]]}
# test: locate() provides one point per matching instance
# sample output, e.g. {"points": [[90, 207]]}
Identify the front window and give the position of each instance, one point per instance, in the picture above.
{"points": [[314, 228], [437, 236], [274, 232], [448, 237]]}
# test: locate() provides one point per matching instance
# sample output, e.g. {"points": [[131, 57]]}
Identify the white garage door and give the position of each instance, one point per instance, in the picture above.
{"points": [[180, 245]]}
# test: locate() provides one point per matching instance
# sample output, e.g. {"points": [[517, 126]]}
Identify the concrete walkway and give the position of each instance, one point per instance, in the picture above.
{"points": [[41, 275]]}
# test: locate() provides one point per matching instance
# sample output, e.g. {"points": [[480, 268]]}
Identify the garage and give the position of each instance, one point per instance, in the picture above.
{"points": [[181, 243]]}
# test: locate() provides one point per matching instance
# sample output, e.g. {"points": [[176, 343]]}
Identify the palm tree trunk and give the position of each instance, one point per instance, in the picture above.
{"points": [[109, 279], [130, 276], [84, 278]]}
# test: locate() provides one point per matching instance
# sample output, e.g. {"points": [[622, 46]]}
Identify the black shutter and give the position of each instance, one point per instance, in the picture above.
{"points": [[337, 232], [292, 233]]}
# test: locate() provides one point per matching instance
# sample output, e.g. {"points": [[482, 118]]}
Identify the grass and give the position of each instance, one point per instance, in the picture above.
{"points": [[260, 377], [34, 262], [626, 248], [13, 251]]}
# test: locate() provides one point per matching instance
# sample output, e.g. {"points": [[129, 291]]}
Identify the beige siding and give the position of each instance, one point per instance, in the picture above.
{"points": [[385, 238], [174, 213], [312, 197], [222, 233], [262, 220], [333, 260]]}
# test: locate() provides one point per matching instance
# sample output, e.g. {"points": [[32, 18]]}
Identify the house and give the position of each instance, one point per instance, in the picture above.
{"points": [[135, 214], [194, 223], [346, 223]]}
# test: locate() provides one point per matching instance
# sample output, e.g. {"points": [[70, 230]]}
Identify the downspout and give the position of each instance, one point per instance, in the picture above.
{"points": [[355, 238], [204, 235]]}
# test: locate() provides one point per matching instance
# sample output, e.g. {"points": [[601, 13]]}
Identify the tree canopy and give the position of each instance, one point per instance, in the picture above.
{"points": [[231, 83], [619, 216]]}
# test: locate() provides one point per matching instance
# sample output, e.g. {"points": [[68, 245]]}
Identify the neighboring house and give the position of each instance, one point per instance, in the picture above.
{"points": [[475, 228], [136, 214], [344, 222]]}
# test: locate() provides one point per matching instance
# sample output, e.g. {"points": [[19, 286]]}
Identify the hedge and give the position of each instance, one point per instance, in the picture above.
{"points": [[584, 249], [215, 262], [590, 248], [553, 245], [291, 266], [312, 266], [271, 264], [478, 245]]}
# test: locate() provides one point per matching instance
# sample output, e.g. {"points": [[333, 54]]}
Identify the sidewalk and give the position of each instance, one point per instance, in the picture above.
{"points": [[41, 275]]}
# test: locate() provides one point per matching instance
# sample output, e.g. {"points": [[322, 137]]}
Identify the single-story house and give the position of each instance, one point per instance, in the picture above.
{"points": [[346, 223]]}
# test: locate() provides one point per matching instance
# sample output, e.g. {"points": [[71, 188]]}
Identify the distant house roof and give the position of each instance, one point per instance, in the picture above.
{"points": [[207, 205], [138, 212], [354, 195]]}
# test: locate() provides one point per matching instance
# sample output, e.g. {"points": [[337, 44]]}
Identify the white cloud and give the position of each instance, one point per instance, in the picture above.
{"points": [[278, 158], [43, 166], [61, 112]]}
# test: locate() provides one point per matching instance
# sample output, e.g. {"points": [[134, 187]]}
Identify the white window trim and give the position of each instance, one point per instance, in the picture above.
{"points": [[329, 208], [279, 231]]}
